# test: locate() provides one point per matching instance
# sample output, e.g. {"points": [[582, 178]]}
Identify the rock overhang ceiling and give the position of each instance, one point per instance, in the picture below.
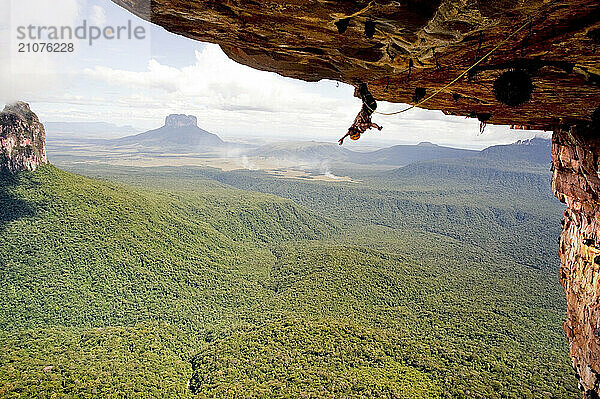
{"points": [[410, 48]]}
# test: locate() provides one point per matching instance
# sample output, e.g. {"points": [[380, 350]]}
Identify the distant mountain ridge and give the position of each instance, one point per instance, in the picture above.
{"points": [[407, 154], [303, 150], [535, 150], [396, 156]]}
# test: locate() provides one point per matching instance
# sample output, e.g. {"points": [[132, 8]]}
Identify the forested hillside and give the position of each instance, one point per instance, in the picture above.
{"points": [[487, 203], [91, 252], [79, 256], [180, 282]]}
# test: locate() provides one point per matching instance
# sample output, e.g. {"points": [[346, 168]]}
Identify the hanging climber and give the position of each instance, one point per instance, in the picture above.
{"points": [[363, 119]]}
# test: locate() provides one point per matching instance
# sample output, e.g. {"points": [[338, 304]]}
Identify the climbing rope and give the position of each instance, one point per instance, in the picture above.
{"points": [[371, 4], [438, 91]]}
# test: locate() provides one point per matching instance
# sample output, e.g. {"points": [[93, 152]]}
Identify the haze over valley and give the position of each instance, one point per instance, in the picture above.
{"points": [[181, 142]]}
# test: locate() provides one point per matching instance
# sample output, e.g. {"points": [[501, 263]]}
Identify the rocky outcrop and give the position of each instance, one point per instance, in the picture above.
{"points": [[576, 162], [406, 49], [22, 139], [181, 120]]}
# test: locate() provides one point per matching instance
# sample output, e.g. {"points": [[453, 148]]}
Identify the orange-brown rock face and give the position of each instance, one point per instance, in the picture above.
{"points": [[415, 44], [576, 181]]}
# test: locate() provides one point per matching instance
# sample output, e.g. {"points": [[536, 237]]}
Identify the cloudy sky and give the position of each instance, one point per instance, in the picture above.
{"points": [[138, 82]]}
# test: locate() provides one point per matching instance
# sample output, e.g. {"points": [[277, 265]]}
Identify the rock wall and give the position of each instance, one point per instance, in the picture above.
{"points": [[22, 139], [576, 162]]}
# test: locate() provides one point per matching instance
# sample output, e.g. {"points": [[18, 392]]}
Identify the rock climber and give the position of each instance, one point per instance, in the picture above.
{"points": [[363, 119]]}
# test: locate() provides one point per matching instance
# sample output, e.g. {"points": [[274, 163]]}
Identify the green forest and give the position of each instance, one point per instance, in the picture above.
{"points": [[436, 280]]}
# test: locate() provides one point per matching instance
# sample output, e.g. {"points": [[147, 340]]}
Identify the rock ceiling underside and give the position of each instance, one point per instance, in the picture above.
{"points": [[409, 49]]}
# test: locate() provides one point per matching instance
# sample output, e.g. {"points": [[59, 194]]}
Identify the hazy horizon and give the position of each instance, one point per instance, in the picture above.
{"points": [[377, 140]]}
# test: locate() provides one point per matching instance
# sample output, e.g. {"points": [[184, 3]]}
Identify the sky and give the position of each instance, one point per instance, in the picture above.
{"points": [[138, 82]]}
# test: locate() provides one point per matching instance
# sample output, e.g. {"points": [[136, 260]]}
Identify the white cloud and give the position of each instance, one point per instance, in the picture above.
{"points": [[98, 16], [216, 82]]}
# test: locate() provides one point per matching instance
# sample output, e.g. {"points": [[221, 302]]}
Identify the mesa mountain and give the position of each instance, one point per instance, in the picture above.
{"points": [[180, 131]]}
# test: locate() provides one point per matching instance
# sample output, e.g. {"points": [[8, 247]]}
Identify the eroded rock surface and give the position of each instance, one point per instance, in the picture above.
{"points": [[576, 182], [22, 139], [416, 45]]}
